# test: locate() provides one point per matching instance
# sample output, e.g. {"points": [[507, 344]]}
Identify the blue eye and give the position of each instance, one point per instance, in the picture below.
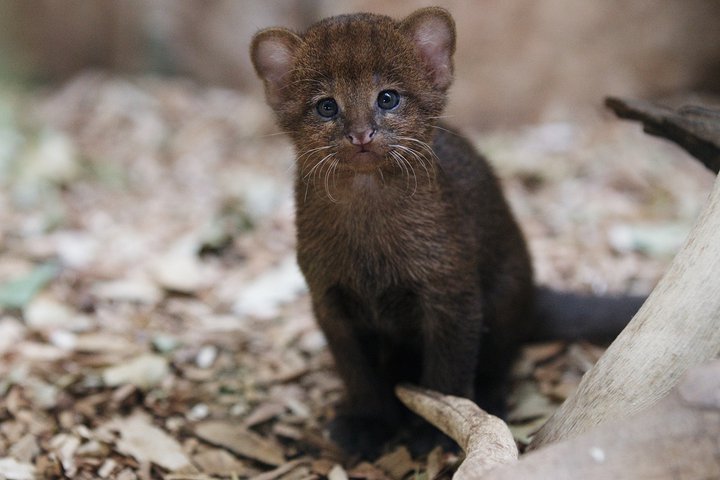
{"points": [[327, 107], [388, 99]]}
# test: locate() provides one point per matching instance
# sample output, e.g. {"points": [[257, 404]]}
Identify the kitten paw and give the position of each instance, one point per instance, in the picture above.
{"points": [[362, 436], [422, 438]]}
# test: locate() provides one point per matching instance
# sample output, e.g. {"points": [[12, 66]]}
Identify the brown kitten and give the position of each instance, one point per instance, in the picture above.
{"points": [[417, 270]]}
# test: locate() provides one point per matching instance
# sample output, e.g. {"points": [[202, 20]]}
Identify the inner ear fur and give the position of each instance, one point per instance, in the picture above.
{"points": [[272, 52], [432, 31]]}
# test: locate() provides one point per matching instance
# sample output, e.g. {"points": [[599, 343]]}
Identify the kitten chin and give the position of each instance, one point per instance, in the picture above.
{"points": [[365, 183]]}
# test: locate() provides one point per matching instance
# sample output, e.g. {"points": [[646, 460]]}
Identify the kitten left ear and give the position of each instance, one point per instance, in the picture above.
{"points": [[273, 55], [432, 31]]}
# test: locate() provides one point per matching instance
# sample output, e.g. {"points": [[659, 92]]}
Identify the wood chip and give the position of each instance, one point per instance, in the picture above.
{"points": [[145, 442], [542, 351], [26, 449], [14, 470], [322, 466], [263, 413], [216, 461], [435, 463], [337, 472], [397, 463], [241, 441], [107, 468], [368, 471], [65, 447], [282, 470], [145, 372], [530, 404]]}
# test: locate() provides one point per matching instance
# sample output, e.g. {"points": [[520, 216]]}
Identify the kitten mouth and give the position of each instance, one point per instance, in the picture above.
{"points": [[363, 160]]}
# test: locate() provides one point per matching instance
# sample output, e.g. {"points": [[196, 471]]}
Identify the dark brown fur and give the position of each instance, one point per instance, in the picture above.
{"points": [[417, 270]]}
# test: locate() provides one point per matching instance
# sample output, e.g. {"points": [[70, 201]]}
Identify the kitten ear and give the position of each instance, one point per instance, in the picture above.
{"points": [[432, 31], [273, 55]]}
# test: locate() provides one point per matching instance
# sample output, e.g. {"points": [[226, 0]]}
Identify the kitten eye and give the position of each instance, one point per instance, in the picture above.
{"points": [[388, 99], [327, 107]]}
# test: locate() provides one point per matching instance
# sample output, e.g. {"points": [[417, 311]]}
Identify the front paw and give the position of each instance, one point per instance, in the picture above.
{"points": [[421, 438], [360, 435]]}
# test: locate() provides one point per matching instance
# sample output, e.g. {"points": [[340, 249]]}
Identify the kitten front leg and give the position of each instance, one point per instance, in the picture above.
{"points": [[452, 326], [370, 412]]}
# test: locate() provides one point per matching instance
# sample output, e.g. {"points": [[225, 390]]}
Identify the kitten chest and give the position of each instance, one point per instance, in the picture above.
{"points": [[372, 247]]}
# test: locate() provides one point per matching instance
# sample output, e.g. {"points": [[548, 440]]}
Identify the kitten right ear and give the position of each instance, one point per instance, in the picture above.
{"points": [[432, 31], [273, 55]]}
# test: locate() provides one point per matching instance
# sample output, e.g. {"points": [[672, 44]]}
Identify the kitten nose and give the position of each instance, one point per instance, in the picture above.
{"points": [[362, 137]]}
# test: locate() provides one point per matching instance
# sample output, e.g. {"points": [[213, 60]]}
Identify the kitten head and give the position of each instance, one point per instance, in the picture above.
{"points": [[361, 90]]}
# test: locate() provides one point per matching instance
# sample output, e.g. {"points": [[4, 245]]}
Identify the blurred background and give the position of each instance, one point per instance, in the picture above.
{"points": [[517, 60]]}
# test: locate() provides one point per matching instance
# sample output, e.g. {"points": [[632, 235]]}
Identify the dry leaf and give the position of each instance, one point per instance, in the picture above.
{"points": [[103, 343], [26, 449], [107, 468], [14, 470], [128, 290], [45, 313], [368, 471], [147, 443], [435, 463], [282, 470], [263, 296], [241, 441], [66, 447], [337, 472], [264, 412], [11, 332], [216, 461], [180, 270], [530, 404], [397, 463], [145, 372]]}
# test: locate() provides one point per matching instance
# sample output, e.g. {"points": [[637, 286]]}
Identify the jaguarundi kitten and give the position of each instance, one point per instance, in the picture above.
{"points": [[417, 269]]}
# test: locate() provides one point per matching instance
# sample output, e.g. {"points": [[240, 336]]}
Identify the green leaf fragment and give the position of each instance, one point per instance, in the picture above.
{"points": [[18, 293]]}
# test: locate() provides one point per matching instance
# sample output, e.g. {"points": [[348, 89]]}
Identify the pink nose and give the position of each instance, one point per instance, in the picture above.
{"points": [[362, 137]]}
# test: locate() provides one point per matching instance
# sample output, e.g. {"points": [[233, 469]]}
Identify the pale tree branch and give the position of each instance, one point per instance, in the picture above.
{"points": [[486, 439]]}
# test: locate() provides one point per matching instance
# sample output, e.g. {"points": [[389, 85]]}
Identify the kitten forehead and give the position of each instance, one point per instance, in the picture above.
{"points": [[356, 46]]}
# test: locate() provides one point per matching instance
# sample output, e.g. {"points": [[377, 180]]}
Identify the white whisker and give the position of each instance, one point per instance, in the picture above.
{"points": [[275, 134], [408, 167], [446, 130], [327, 180], [420, 158]]}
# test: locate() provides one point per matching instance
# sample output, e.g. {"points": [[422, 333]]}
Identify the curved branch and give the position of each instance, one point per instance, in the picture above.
{"points": [[486, 439]]}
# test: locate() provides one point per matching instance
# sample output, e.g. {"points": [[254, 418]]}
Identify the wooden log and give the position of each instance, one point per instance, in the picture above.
{"points": [[695, 128], [676, 328], [677, 438]]}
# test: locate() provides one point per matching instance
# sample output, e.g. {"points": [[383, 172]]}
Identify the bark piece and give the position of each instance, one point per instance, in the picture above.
{"points": [[695, 128], [240, 441]]}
